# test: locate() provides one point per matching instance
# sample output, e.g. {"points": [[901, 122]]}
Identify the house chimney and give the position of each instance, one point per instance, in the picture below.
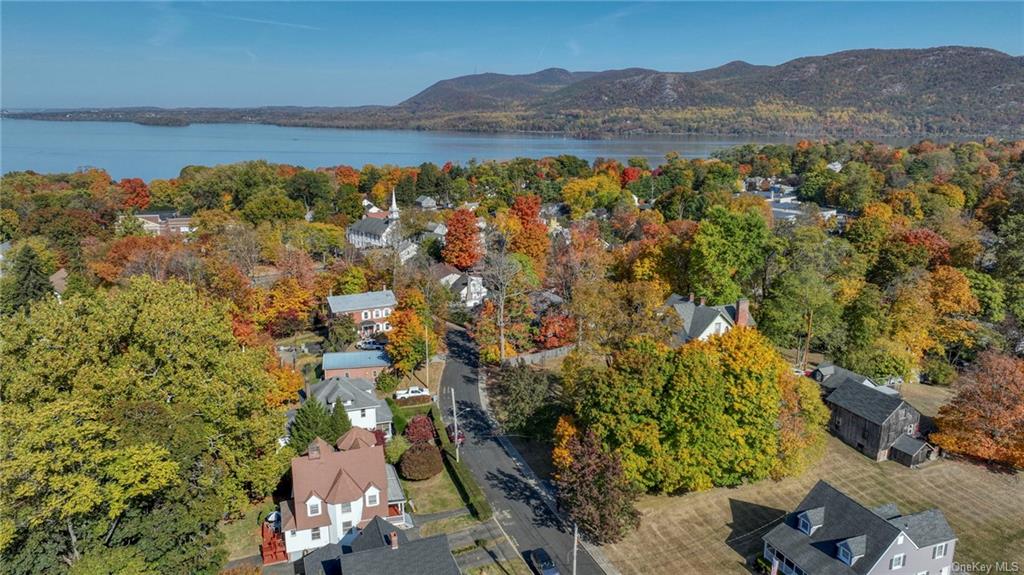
{"points": [[314, 450], [702, 300], [394, 539], [691, 297], [743, 312]]}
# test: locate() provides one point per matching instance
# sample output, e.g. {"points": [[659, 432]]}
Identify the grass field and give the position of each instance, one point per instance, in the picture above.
{"points": [[242, 536], [435, 494], [712, 531]]}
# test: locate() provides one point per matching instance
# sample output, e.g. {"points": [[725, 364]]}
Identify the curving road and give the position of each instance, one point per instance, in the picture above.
{"points": [[517, 501]]}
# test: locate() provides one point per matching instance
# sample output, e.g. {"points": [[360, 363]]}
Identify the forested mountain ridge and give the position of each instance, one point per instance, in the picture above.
{"points": [[951, 90]]}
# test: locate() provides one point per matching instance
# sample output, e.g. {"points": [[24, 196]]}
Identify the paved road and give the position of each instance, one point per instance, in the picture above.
{"points": [[517, 502]]}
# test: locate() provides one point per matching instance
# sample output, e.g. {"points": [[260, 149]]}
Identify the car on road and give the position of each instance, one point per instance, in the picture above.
{"points": [[369, 345], [451, 434], [542, 563], [414, 391]]}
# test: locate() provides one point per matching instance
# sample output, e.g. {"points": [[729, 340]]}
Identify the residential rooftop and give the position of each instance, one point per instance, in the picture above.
{"points": [[361, 301]]}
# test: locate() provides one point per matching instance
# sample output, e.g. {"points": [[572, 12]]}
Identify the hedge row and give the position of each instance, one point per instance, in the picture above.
{"points": [[469, 489]]}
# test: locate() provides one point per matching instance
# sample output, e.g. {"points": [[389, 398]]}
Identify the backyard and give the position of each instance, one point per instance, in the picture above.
{"points": [[712, 531]]}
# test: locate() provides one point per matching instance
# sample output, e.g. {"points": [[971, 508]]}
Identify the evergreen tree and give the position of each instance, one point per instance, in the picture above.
{"points": [[338, 424], [311, 421], [29, 281]]}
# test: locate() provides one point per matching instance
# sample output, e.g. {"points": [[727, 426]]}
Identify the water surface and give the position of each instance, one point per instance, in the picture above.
{"points": [[132, 150]]}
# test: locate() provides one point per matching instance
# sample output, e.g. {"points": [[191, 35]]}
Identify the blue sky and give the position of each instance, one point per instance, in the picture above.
{"points": [[250, 54]]}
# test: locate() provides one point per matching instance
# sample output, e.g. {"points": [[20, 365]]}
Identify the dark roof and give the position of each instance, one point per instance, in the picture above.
{"points": [[925, 528], [697, 317], [429, 556], [377, 533], [350, 393], [832, 376], [866, 401], [844, 519], [908, 445], [816, 516], [323, 560], [373, 227]]}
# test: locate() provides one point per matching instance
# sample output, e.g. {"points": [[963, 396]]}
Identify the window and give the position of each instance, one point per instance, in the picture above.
{"points": [[346, 508], [366, 314], [291, 533], [314, 509], [805, 525], [940, 551], [316, 533], [898, 561], [844, 555], [362, 413], [372, 499], [376, 313], [346, 526]]}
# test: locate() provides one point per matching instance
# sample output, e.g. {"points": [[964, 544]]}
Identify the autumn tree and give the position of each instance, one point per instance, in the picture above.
{"points": [[412, 336], [507, 288], [285, 309], [462, 242], [159, 417], [529, 235], [592, 486], [986, 417], [135, 193], [727, 251]]}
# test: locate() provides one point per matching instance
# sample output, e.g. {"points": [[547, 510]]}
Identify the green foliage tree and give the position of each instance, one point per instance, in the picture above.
{"points": [[338, 424], [341, 333], [308, 187], [271, 205], [143, 426], [311, 421], [727, 250], [28, 281], [395, 448], [521, 392]]}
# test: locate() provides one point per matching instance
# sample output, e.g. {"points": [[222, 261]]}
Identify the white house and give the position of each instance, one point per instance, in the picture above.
{"points": [[354, 395], [468, 288], [338, 489], [375, 232], [700, 321]]}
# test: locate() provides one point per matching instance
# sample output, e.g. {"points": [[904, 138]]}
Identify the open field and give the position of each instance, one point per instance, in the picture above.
{"points": [[712, 531]]}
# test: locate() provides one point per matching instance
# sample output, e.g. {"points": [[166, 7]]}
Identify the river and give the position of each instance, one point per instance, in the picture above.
{"points": [[132, 150]]}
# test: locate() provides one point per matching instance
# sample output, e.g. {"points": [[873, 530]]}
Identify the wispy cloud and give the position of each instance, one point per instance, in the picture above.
{"points": [[278, 23]]}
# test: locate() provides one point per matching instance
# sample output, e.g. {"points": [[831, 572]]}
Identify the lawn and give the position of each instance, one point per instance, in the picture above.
{"points": [[419, 377], [433, 495], [242, 536], [448, 525], [712, 531]]}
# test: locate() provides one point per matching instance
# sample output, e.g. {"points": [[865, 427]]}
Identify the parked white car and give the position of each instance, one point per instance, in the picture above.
{"points": [[369, 344], [415, 391]]}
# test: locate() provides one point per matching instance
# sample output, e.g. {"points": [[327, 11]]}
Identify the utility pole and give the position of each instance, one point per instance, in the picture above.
{"points": [[426, 351], [575, 542], [455, 415]]}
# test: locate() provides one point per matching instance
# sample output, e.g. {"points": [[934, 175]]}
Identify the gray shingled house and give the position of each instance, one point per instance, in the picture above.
{"points": [[830, 533], [380, 549], [873, 419], [701, 321]]}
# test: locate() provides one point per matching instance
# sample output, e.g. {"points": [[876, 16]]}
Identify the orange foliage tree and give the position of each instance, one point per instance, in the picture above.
{"points": [[285, 308], [986, 417], [135, 193], [530, 236], [462, 243]]}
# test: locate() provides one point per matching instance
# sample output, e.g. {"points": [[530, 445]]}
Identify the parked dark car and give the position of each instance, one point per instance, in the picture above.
{"points": [[451, 434], [542, 563]]}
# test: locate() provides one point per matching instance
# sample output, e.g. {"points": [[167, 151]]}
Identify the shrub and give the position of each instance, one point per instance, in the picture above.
{"points": [[938, 371], [414, 401], [420, 430], [421, 461], [395, 448], [387, 382]]}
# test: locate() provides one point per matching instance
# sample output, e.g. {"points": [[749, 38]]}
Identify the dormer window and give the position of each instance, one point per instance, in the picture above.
{"points": [[845, 556], [372, 499], [313, 508], [805, 525], [810, 520]]}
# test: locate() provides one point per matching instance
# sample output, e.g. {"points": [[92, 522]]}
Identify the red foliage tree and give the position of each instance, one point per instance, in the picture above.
{"points": [[936, 245], [630, 174], [555, 330], [135, 254], [462, 243], [421, 461], [419, 430], [135, 193]]}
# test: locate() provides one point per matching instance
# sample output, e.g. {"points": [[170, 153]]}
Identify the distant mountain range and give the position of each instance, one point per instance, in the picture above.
{"points": [[949, 91]]}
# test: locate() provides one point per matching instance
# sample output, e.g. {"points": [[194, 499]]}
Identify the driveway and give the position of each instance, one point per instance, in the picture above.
{"points": [[517, 501]]}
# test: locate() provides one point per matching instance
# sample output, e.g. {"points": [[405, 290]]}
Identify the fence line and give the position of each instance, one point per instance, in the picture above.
{"points": [[539, 356]]}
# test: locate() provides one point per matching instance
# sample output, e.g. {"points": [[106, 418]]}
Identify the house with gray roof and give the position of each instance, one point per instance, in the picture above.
{"points": [[701, 321], [369, 310], [425, 203], [380, 548], [873, 419], [830, 533], [375, 232], [356, 396]]}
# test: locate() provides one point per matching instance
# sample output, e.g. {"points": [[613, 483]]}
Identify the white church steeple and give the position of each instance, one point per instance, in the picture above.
{"points": [[393, 212]]}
